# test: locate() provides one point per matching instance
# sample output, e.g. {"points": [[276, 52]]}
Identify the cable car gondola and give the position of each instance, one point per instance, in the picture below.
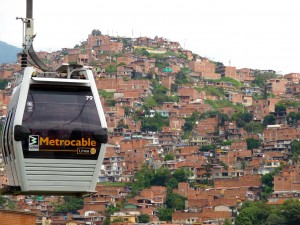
{"points": [[55, 133]]}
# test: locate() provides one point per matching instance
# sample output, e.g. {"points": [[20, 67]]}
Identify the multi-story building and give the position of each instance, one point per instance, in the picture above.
{"points": [[205, 69], [277, 86], [261, 108], [245, 75], [286, 184], [293, 77], [112, 167], [227, 71], [279, 137]]}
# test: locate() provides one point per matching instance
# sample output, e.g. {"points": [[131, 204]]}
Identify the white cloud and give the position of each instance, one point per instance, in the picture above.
{"points": [[249, 33]]}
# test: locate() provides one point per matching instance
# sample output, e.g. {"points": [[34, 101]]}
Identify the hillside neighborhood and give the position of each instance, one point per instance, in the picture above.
{"points": [[192, 141]]}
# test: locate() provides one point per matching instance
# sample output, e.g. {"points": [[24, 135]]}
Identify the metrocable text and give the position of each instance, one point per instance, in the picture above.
{"points": [[58, 142]]}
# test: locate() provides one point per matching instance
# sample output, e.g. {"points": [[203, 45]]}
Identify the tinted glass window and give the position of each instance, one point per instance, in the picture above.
{"points": [[62, 121], [5, 138]]}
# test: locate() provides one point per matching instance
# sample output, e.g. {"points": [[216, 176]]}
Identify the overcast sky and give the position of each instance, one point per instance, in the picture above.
{"points": [[258, 34]]}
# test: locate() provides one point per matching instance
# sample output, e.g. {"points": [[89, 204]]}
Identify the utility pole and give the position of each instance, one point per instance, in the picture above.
{"points": [[28, 35]]}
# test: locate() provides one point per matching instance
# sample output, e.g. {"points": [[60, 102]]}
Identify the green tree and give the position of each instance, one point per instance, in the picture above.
{"points": [[172, 183], [208, 170], [243, 220], [142, 179], [242, 118], [292, 118], [252, 143], [144, 52], [181, 76], [143, 218], [182, 174], [11, 204], [267, 181], [96, 32], [161, 177], [127, 110], [265, 93], [154, 123], [227, 222], [169, 157], [261, 78], [279, 107], [269, 120], [291, 211], [206, 148], [223, 164], [226, 143], [174, 87], [222, 119], [160, 94], [259, 213], [149, 103], [111, 68], [111, 209], [275, 219], [295, 149], [255, 213], [71, 204], [3, 201], [175, 201], [165, 214], [190, 123]]}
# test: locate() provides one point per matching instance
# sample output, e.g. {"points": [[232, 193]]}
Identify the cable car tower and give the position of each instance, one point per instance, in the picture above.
{"points": [[55, 134]]}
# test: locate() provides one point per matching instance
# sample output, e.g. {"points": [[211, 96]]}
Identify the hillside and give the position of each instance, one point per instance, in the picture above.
{"points": [[8, 53]]}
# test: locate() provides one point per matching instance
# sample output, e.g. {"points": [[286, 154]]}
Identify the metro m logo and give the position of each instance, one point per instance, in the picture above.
{"points": [[34, 143], [33, 140]]}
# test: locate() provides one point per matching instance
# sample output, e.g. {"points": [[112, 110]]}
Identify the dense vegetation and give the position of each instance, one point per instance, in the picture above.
{"points": [[148, 177], [69, 204], [259, 213], [261, 78], [267, 182]]}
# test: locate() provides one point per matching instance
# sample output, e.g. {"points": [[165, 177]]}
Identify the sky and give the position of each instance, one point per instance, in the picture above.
{"points": [[257, 34]]}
